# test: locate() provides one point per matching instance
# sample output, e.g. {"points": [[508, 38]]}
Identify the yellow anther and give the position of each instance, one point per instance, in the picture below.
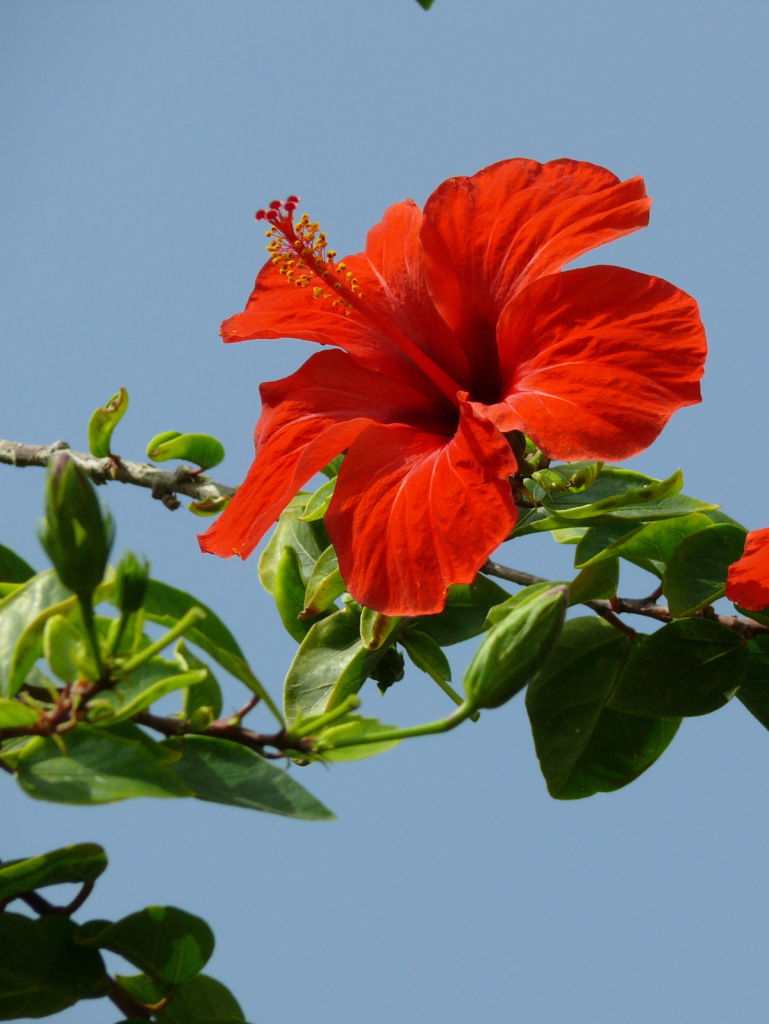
{"points": [[317, 293], [338, 285], [348, 275], [332, 253]]}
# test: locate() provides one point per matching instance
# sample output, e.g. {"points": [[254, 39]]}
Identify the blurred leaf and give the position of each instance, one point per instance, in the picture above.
{"points": [[325, 585], [427, 655], [14, 713], [309, 540], [570, 535], [132, 696], [18, 610], [142, 987], [689, 667], [200, 1000], [584, 747], [318, 504], [696, 574], [331, 664], [228, 773], [166, 605], [354, 726], [103, 423], [201, 449], [467, 606], [595, 582], [98, 767], [754, 692], [81, 863], [289, 594], [426, 4], [42, 971], [167, 943], [209, 506], [514, 649], [13, 568], [206, 694]]}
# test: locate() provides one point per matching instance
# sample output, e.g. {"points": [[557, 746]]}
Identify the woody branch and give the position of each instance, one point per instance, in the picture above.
{"points": [[165, 485]]}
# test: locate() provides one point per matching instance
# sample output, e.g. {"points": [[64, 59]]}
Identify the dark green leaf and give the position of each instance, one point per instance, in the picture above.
{"points": [[167, 606], [228, 773], [147, 684], [142, 987], [426, 4], [649, 546], [309, 540], [205, 694], [169, 944], [81, 863], [13, 568], [464, 616], [696, 574], [515, 649], [689, 667], [42, 971], [754, 692], [595, 582], [331, 664], [584, 747], [201, 1000], [427, 655], [98, 767], [18, 610], [289, 594]]}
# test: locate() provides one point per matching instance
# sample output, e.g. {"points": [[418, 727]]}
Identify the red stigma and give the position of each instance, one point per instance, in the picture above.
{"points": [[293, 199], [260, 215], [275, 204]]}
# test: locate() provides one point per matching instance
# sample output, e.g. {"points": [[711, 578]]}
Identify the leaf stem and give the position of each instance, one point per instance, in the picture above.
{"points": [[316, 724], [464, 711], [86, 609]]}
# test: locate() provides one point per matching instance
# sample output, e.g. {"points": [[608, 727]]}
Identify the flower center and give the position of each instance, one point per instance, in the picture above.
{"points": [[299, 251]]}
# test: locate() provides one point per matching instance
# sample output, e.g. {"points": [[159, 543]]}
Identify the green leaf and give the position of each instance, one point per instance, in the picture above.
{"points": [[426, 4], [81, 863], [289, 594], [200, 1000], [13, 713], [166, 605], [649, 546], [169, 944], [696, 574], [355, 726], [135, 694], [689, 667], [570, 535], [103, 423], [573, 477], [584, 747], [331, 663], [142, 987], [206, 694], [19, 610], [325, 585], [515, 649], [754, 692], [98, 767], [228, 773], [13, 568], [628, 503], [318, 504], [501, 611], [595, 582], [332, 469], [464, 616], [427, 655], [42, 971], [375, 628], [201, 449], [309, 540]]}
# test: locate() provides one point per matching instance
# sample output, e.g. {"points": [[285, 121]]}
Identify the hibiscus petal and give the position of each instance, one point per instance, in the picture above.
{"points": [[307, 419], [414, 512], [486, 237], [595, 361], [748, 582]]}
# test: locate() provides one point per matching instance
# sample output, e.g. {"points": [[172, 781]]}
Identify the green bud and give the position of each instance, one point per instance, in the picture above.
{"points": [[104, 421], [515, 649], [76, 533], [131, 583], [201, 718], [64, 648], [202, 449], [389, 669]]}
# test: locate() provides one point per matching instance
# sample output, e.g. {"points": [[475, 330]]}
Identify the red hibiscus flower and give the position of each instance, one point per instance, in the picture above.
{"points": [[748, 581], [454, 327]]}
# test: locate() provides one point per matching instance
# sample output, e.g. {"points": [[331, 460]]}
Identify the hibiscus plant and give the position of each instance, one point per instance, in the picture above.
{"points": [[472, 392]]}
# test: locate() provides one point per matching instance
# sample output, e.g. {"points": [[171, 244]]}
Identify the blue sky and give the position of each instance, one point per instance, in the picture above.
{"points": [[138, 138]]}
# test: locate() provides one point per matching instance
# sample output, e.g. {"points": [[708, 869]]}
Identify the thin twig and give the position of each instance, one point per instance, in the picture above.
{"points": [[163, 483]]}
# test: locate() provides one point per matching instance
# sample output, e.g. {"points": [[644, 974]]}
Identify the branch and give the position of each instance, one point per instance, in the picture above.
{"points": [[624, 605], [163, 483]]}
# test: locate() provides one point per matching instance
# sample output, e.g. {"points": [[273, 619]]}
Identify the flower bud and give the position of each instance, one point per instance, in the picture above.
{"points": [[515, 649], [76, 533], [131, 583]]}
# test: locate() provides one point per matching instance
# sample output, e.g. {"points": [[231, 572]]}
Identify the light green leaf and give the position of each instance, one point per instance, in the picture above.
{"points": [[169, 944], [98, 767], [354, 726], [206, 694], [103, 423], [318, 504], [133, 695], [325, 585], [21, 608], [201, 449], [228, 773], [289, 594], [584, 747], [651, 544], [375, 628], [689, 667], [309, 540], [42, 971], [81, 863], [696, 573], [13, 713], [501, 611]]}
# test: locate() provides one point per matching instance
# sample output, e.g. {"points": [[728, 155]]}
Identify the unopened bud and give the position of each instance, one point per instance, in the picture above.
{"points": [[131, 583]]}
